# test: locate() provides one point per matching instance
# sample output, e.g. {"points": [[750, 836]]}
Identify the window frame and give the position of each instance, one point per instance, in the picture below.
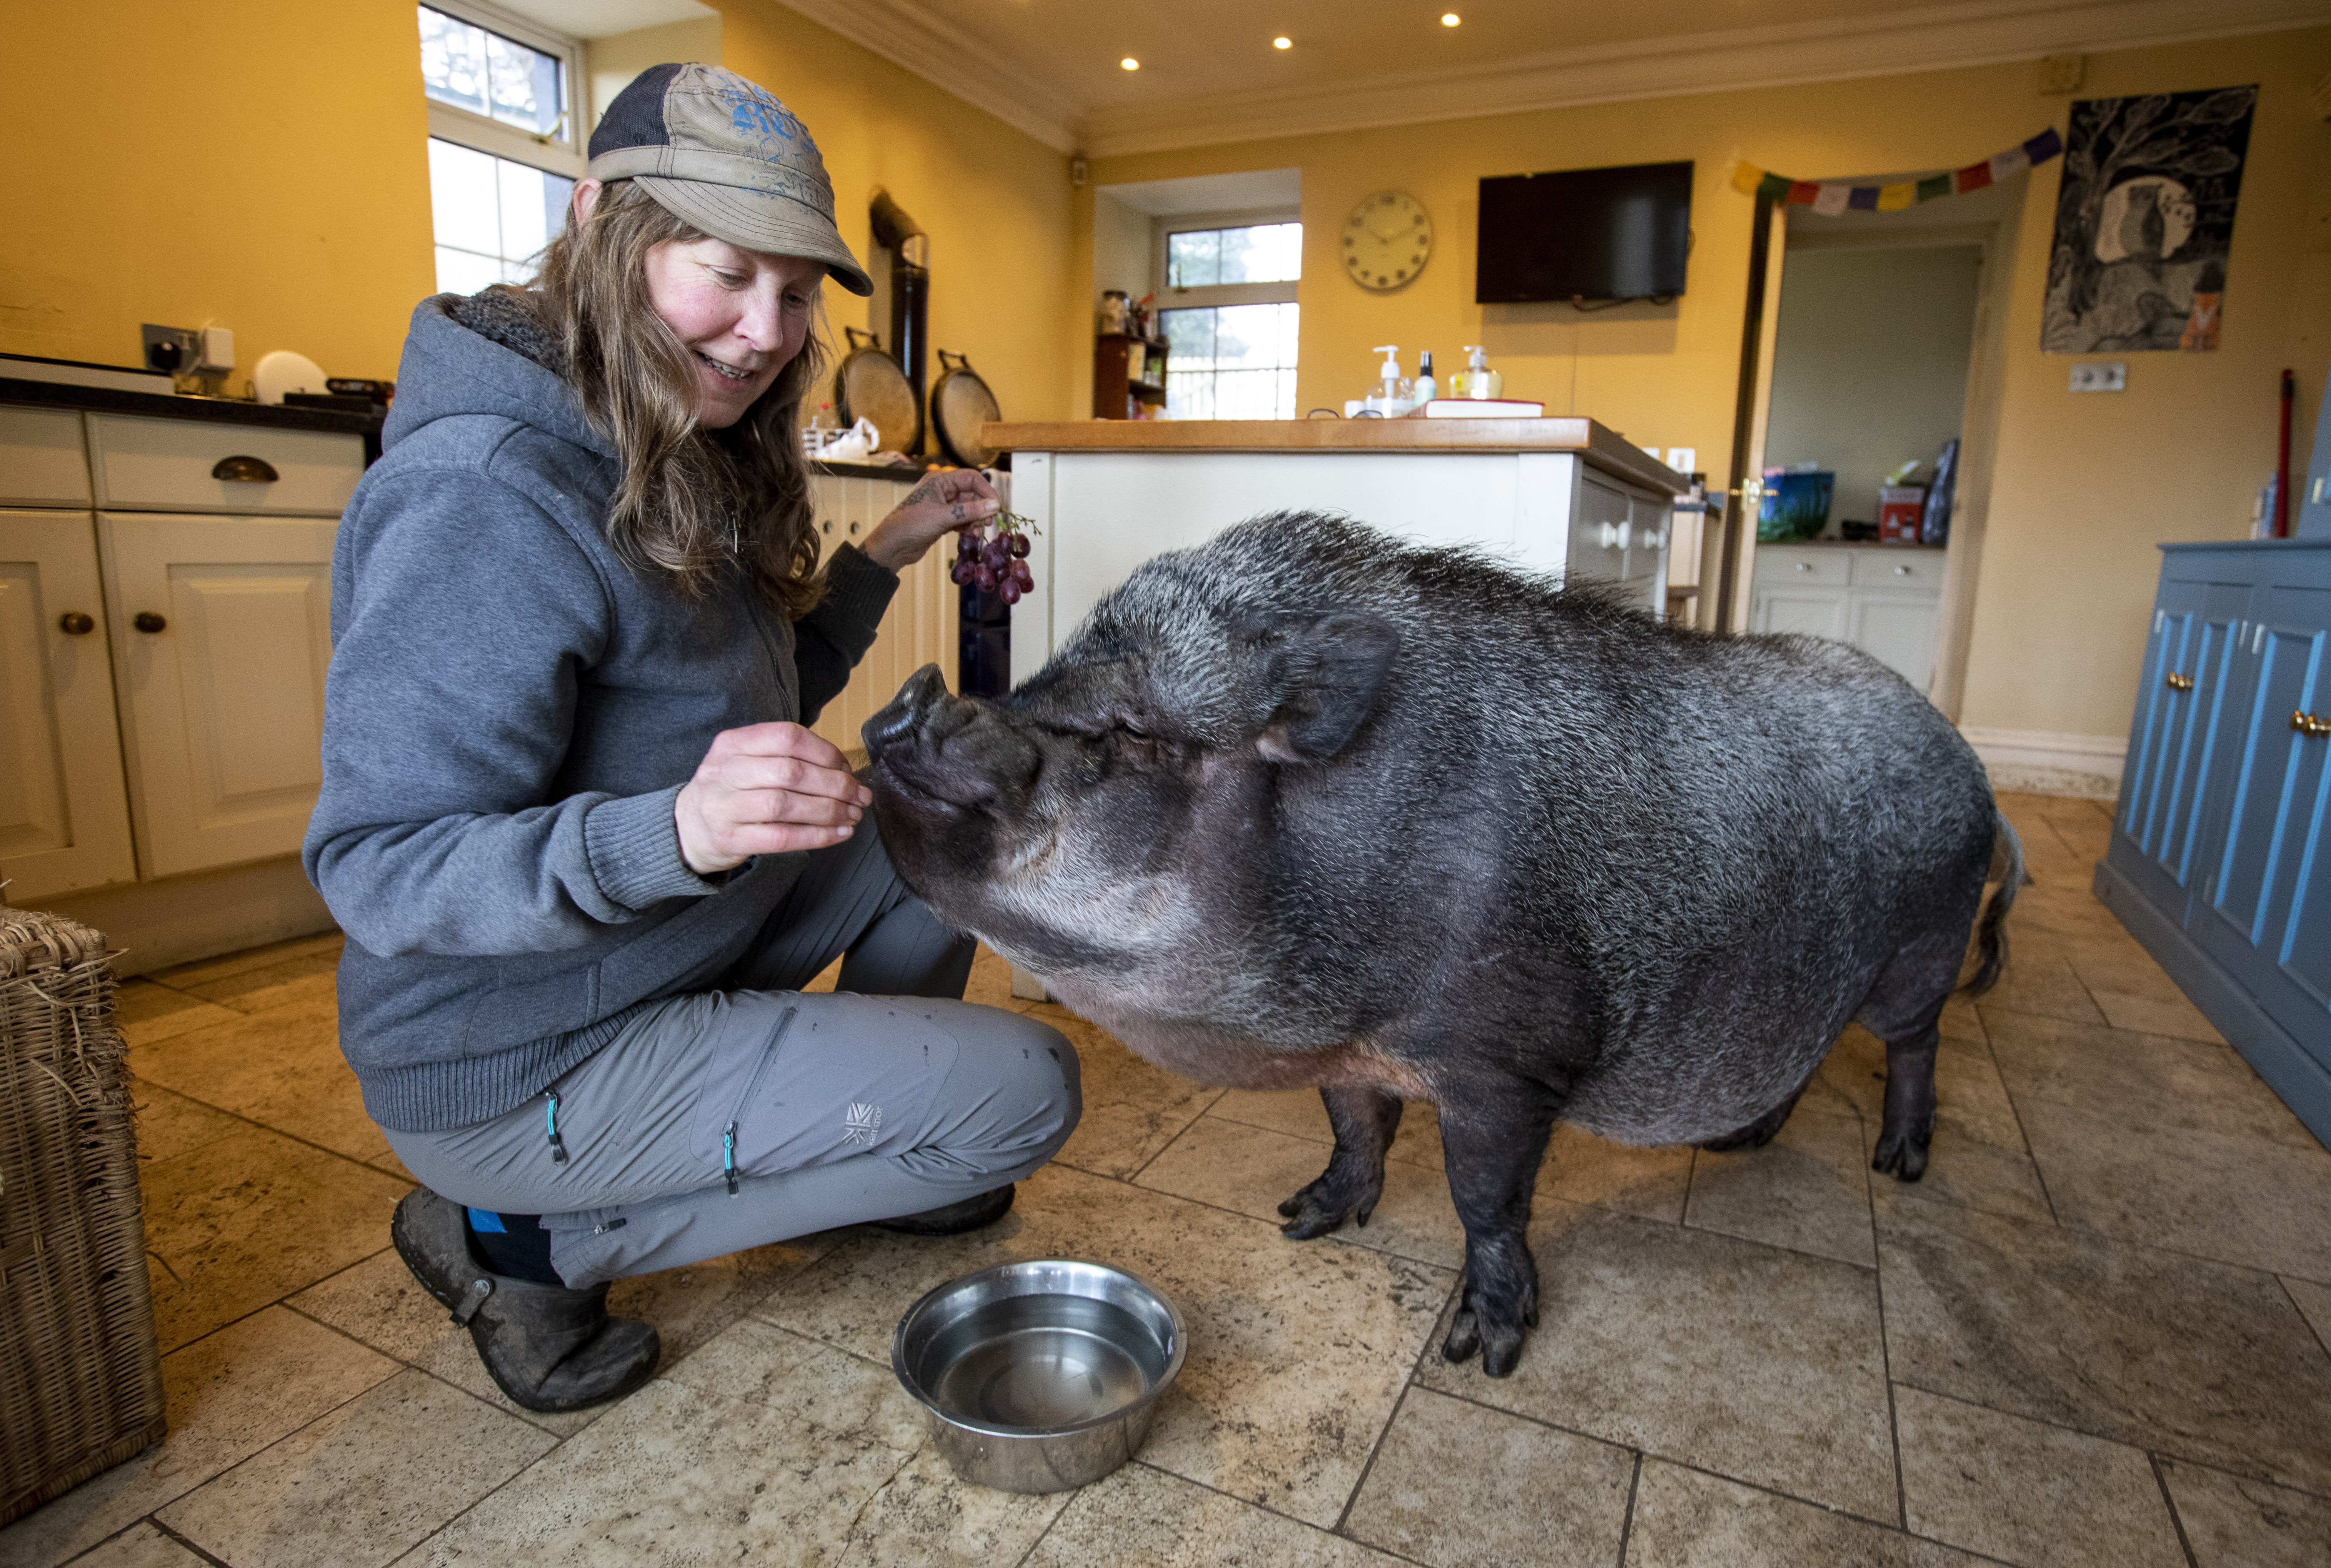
{"points": [[561, 154], [1202, 295]]}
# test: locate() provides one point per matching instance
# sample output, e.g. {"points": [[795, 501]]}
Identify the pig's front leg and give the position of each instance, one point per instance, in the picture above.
{"points": [[1364, 1120], [1494, 1143]]}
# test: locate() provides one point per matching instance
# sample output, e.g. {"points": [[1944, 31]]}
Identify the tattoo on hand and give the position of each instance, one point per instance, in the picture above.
{"points": [[928, 491], [959, 513]]}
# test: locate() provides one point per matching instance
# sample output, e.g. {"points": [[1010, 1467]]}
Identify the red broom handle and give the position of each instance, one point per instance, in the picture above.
{"points": [[2282, 464]]}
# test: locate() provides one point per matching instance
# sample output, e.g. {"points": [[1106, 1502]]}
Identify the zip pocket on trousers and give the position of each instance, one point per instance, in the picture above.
{"points": [[752, 1084], [550, 1121]]}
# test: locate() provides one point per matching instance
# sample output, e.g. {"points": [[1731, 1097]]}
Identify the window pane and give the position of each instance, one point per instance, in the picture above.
{"points": [[1246, 337], [464, 207], [464, 272], [1189, 340], [533, 207], [1193, 259], [1232, 362], [1263, 253], [525, 83], [452, 61]]}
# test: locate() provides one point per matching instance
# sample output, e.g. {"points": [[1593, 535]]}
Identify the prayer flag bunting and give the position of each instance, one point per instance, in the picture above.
{"points": [[1832, 197]]}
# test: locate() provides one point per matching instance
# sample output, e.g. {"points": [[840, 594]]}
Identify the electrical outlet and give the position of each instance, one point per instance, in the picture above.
{"points": [[2109, 376], [2062, 72], [175, 349]]}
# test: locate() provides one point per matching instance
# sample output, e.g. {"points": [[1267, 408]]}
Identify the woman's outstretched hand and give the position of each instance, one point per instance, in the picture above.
{"points": [[942, 503], [765, 789]]}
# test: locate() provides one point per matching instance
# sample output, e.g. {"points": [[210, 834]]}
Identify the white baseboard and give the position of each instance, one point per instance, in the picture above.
{"points": [[2047, 763]]}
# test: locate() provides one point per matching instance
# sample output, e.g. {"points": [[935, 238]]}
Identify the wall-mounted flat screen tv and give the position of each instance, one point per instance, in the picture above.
{"points": [[1616, 234]]}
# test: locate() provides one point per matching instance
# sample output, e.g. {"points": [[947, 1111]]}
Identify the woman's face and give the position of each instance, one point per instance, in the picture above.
{"points": [[743, 313]]}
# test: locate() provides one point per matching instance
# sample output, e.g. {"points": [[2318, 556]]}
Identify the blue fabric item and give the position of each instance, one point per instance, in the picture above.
{"points": [[509, 714], [486, 1222]]}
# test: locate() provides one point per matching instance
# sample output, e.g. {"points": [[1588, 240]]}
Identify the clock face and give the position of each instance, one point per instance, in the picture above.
{"points": [[1386, 241]]}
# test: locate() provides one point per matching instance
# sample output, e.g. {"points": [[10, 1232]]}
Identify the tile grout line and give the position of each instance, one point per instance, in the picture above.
{"points": [[1627, 1523], [2279, 1280], [1400, 1403], [2170, 1503], [1265, 1508], [2016, 1111], [1886, 1363], [196, 1547]]}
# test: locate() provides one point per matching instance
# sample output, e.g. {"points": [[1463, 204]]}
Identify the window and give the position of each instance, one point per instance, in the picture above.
{"points": [[1229, 314], [504, 150]]}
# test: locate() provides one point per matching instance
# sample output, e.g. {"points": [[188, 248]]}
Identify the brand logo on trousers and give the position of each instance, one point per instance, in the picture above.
{"points": [[861, 1123]]}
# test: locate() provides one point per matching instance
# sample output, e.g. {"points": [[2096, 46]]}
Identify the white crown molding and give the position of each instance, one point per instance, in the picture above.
{"points": [[1940, 38], [943, 54]]}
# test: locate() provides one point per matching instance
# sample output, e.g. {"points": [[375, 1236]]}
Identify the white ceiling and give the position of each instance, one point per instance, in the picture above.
{"points": [[1210, 74], [1248, 191]]}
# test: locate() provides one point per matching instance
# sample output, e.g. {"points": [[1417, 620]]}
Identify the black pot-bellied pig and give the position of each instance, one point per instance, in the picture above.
{"points": [[1302, 806]]}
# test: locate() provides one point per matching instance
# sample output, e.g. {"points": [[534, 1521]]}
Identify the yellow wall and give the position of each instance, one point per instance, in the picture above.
{"points": [[288, 196], [2083, 485], [258, 165], [612, 62]]}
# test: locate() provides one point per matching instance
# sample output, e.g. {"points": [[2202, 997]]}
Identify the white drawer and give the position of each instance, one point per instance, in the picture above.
{"points": [[1778, 566], [167, 465], [42, 462], [1898, 568]]}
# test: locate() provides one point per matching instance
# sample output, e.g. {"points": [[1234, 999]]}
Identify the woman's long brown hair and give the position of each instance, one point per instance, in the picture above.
{"points": [[691, 500]]}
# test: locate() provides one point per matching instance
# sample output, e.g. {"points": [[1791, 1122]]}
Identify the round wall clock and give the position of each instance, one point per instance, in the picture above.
{"points": [[1386, 241]]}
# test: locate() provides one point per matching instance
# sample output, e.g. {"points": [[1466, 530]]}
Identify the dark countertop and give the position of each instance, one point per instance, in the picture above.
{"points": [[902, 472], [164, 406], [1846, 544]]}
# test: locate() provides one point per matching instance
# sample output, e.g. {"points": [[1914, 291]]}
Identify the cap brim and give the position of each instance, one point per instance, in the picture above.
{"points": [[757, 220]]}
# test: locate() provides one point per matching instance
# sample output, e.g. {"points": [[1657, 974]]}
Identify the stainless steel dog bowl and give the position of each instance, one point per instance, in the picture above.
{"points": [[1040, 1376]]}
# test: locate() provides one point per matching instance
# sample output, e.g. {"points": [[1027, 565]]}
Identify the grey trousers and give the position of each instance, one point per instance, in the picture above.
{"points": [[728, 1119]]}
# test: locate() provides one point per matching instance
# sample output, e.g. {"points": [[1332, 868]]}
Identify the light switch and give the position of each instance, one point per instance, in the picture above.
{"points": [[2110, 376], [215, 356]]}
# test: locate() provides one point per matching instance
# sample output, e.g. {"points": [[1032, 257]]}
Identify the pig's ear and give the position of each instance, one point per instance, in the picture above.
{"points": [[1327, 675]]}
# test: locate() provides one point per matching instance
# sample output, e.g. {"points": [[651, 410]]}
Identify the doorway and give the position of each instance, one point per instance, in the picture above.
{"points": [[1884, 348]]}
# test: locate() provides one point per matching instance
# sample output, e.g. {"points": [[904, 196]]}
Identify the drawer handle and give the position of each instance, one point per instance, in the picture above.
{"points": [[1901, 571], [250, 470], [73, 623], [2180, 682], [2314, 725], [1804, 565], [147, 621]]}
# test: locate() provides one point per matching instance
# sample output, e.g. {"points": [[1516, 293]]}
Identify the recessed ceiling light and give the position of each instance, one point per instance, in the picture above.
{"points": [[1282, 44], [1450, 19], [1131, 63]]}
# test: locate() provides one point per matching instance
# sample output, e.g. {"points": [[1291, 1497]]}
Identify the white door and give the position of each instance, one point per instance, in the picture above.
{"points": [[64, 815], [222, 631], [1899, 630]]}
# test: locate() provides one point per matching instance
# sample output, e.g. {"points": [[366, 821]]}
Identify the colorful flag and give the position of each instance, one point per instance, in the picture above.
{"points": [[2006, 165], [1801, 192], [1773, 187], [1972, 177], [1934, 186], [1894, 199], [1832, 199], [1745, 177]]}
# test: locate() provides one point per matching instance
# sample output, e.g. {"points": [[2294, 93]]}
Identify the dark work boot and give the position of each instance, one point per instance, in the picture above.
{"points": [[548, 1347], [955, 1219]]}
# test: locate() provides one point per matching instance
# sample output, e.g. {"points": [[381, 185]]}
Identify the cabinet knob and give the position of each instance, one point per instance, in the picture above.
{"points": [[73, 623], [1804, 565], [1901, 571], [147, 621], [2314, 725], [2180, 682], [854, 528], [245, 470]]}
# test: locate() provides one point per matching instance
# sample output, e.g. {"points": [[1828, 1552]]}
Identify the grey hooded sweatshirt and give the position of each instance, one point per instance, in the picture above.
{"points": [[510, 715]]}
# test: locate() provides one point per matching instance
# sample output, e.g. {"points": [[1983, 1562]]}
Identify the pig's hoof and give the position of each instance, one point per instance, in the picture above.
{"points": [[1901, 1154], [1500, 1348], [1325, 1206]]}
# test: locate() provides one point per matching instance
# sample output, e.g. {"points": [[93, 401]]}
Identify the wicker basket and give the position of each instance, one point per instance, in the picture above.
{"points": [[81, 1383]]}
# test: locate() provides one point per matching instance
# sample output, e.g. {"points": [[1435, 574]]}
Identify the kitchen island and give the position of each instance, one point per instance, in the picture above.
{"points": [[1554, 496]]}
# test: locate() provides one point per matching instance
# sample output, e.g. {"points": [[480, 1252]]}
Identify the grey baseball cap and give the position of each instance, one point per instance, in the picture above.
{"points": [[725, 155]]}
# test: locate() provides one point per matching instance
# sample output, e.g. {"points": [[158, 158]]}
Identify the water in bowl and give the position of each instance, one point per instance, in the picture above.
{"points": [[1043, 1361]]}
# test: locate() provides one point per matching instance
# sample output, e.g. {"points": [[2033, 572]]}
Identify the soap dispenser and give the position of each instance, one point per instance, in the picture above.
{"points": [[1426, 388], [1481, 383], [1390, 400]]}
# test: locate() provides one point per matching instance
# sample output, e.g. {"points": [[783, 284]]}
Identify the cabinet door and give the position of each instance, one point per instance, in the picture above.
{"points": [[64, 817], [1601, 533], [1811, 608], [2188, 702], [1896, 629], [222, 703], [2265, 919]]}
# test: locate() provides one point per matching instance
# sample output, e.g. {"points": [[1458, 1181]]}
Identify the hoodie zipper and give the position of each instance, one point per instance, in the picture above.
{"points": [[736, 1111]]}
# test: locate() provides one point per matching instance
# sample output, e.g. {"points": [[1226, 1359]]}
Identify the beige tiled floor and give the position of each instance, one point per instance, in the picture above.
{"points": [[2093, 1334]]}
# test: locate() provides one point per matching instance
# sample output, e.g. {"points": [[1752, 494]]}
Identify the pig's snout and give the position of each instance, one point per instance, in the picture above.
{"points": [[934, 743], [908, 712]]}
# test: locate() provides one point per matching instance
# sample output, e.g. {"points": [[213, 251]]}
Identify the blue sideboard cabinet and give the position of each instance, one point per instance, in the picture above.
{"points": [[2221, 855]]}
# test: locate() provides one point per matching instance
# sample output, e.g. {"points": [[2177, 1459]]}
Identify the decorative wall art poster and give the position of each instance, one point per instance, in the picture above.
{"points": [[2143, 220]]}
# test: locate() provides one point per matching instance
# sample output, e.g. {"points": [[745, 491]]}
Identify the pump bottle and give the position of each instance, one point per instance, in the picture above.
{"points": [[1478, 381], [1426, 388]]}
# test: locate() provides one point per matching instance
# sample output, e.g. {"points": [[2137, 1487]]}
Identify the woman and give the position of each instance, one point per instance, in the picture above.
{"points": [[585, 850]]}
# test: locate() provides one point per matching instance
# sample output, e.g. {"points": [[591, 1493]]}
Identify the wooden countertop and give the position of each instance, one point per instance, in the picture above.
{"points": [[1602, 448]]}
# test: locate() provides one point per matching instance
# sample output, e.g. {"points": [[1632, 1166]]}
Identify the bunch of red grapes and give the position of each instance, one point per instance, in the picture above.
{"points": [[998, 564]]}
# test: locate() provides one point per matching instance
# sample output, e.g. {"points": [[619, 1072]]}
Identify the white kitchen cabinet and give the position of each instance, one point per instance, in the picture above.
{"points": [[64, 815], [1884, 599], [221, 631], [921, 626]]}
